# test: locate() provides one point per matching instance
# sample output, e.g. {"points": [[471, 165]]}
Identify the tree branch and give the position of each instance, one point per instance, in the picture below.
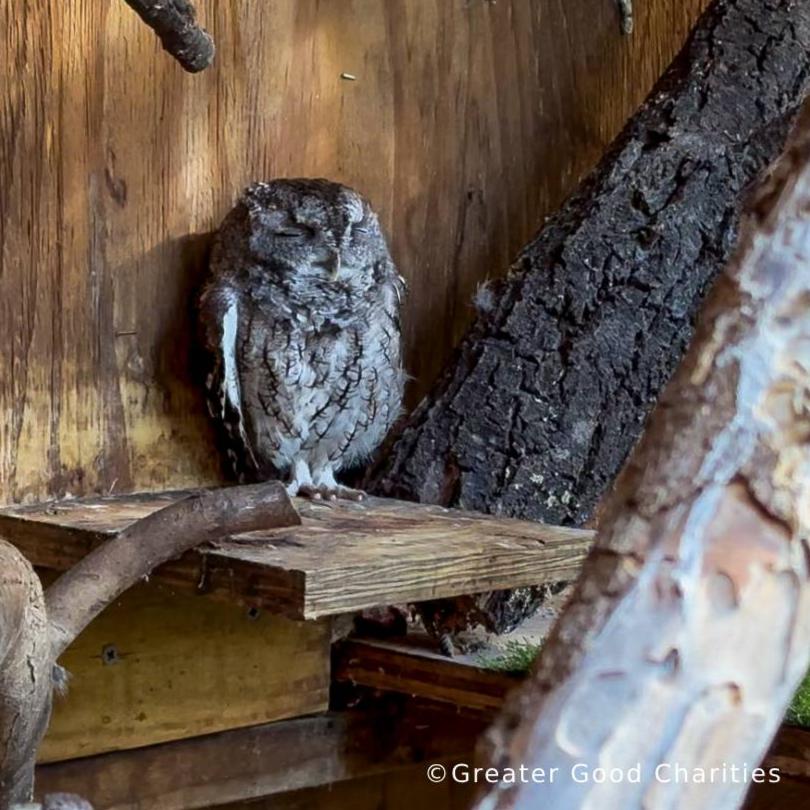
{"points": [[690, 626], [174, 21], [80, 594], [35, 629]]}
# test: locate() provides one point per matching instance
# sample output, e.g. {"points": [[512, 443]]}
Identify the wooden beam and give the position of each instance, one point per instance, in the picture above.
{"points": [[158, 666], [790, 752], [307, 752], [266, 760], [343, 558], [413, 670]]}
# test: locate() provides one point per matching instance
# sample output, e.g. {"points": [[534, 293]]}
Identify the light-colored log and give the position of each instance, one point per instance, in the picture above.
{"points": [[690, 628]]}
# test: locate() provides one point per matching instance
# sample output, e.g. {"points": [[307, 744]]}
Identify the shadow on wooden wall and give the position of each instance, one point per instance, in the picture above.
{"points": [[468, 121]]}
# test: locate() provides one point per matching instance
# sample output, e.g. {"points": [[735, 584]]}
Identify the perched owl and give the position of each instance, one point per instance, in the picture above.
{"points": [[300, 319]]}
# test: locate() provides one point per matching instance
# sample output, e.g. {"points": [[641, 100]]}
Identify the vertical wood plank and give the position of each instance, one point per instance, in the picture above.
{"points": [[467, 123]]}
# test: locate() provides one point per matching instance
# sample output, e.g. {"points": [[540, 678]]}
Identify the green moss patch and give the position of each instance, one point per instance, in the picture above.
{"points": [[799, 711], [516, 657]]}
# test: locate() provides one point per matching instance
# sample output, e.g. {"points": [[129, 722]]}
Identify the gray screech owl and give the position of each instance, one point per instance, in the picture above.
{"points": [[300, 319]]}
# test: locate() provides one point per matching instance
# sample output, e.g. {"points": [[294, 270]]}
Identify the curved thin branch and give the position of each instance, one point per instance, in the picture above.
{"points": [[174, 21], [82, 593]]}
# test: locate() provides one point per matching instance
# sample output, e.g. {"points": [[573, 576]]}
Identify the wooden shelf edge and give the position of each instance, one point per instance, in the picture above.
{"points": [[343, 558], [315, 751], [266, 760]]}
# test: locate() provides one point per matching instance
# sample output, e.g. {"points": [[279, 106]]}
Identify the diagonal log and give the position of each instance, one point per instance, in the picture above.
{"points": [[35, 628], [690, 625], [550, 388]]}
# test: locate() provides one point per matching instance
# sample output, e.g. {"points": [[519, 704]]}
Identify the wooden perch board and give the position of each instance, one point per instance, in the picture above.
{"points": [[393, 666], [156, 667], [343, 558]]}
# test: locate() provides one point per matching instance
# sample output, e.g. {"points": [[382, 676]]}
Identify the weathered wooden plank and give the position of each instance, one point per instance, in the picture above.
{"points": [[467, 123], [159, 666], [266, 760], [344, 557], [295, 755], [402, 789]]}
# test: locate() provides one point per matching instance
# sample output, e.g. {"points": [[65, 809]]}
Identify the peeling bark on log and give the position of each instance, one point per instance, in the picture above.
{"points": [[550, 389], [175, 23], [35, 628], [25, 670], [690, 626]]}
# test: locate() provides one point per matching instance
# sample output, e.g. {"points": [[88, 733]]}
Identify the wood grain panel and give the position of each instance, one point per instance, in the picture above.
{"points": [[158, 666], [468, 121]]}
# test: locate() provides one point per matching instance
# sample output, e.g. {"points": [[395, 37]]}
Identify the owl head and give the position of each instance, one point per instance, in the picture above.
{"points": [[311, 230]]}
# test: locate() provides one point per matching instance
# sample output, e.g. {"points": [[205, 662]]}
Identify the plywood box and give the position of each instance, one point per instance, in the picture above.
{"points": [[160, 666]]}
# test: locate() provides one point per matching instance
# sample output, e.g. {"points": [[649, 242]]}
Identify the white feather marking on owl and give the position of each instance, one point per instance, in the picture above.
{"points": [[231, 388], [230, 323]]}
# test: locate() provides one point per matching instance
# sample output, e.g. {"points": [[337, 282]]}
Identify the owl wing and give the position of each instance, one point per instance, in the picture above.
{"points": [[218, 311]]}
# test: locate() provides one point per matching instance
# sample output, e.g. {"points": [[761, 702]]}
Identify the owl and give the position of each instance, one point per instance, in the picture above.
{"points": [[300, 324]]}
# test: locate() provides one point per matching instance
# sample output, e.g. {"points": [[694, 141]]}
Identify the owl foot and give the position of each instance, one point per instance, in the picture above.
{"points": [[330, 493]]}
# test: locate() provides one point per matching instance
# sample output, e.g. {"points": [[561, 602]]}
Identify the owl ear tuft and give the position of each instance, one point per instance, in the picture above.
{"points": [[263, 217], [356, 209]]}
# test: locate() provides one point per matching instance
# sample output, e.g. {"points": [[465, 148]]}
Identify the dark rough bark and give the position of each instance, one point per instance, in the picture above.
{"points": [[551, 387], [174, 21]]}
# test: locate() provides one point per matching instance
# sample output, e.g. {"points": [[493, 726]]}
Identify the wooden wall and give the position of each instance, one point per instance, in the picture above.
{"points": [[468, 122]]}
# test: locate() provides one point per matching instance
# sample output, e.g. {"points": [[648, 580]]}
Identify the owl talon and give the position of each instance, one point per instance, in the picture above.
{"points": [[330, 494], [352, 494]]}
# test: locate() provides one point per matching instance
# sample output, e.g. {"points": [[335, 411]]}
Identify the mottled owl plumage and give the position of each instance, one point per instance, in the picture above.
{"points": [[300, 319]]}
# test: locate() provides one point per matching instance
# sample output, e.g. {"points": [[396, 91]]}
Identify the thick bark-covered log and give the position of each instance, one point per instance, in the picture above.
{"points": [[551, 387], [690, 627], [35, 628], [175, 23]]}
